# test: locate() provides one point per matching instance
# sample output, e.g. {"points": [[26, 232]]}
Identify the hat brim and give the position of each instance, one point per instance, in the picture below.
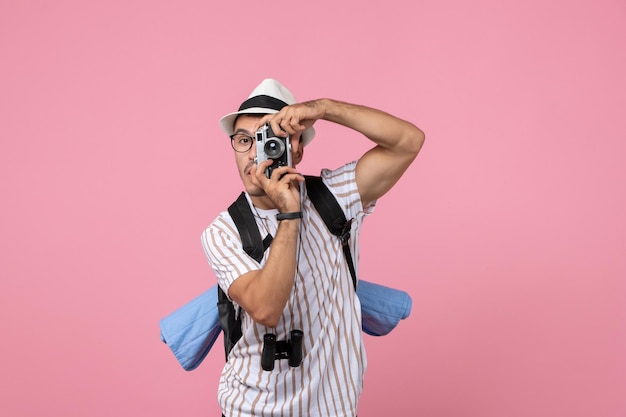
{"points": [[227, 123]]}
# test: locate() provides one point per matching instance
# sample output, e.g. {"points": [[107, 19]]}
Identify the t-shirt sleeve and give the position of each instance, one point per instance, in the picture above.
{"points": [[224, 251], [342, 183]]}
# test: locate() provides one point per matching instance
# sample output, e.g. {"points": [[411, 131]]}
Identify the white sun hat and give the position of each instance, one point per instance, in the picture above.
{"points": [[267, 98]]}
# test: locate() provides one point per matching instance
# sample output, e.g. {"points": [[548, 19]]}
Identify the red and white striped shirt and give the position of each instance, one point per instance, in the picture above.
{"points": [[323, 304]]}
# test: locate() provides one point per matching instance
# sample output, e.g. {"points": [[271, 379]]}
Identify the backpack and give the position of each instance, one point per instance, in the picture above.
{"points": [[191, 330], [333, 216]]}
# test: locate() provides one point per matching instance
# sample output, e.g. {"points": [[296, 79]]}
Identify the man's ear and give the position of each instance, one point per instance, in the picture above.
{"points": [[297, 151]]}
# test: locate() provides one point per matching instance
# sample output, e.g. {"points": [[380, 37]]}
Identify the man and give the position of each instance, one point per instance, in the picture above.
{"points": [[303, 282]]}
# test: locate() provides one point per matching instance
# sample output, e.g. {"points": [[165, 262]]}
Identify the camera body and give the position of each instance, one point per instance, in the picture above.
{"points": [[270, 146]]}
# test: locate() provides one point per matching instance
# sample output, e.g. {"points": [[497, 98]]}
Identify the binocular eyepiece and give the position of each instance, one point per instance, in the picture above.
{"points": [[282, 349]]}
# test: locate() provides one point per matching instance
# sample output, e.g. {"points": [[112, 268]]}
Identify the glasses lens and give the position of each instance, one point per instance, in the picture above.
{"points": [[241, 142]]}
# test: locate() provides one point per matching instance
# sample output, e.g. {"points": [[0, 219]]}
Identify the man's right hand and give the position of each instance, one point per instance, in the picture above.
{"points": [[282, 188]]}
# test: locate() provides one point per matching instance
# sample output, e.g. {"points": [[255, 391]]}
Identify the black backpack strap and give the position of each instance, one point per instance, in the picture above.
{"points": [[254, 246], [331, 212], [242, 215], [230, 322]]}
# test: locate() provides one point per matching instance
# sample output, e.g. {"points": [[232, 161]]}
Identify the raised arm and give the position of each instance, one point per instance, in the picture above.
{"points": [[397, 142]]}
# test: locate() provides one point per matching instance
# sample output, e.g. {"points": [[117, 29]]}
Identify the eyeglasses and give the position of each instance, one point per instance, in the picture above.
{"points": [[241, 142]]}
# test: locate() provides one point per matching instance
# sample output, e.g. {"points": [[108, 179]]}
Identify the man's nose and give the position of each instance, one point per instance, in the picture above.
{"points": [[252, 151]]}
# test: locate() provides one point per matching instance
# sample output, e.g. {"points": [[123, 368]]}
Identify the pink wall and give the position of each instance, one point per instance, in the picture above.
{"points": [[513, 247]]}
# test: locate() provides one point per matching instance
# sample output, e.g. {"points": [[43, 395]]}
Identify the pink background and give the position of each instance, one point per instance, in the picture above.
{"points": [[508, 232]]}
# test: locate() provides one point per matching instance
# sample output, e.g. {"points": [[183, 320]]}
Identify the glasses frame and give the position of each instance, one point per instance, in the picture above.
{"points": [[232, 141]]}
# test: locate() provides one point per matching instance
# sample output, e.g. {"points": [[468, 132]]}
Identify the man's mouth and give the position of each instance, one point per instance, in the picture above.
{"points": [[248, 170]]}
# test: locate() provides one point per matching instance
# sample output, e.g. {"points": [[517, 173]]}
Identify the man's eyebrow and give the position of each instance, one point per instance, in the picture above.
{"points": [[242, 130]]}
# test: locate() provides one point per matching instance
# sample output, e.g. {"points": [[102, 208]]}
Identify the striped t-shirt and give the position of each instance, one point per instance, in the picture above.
{"points": [[323, 304]]}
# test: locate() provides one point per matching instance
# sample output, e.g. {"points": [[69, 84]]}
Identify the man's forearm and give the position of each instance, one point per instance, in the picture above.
{"points": [[382, 128], [397, 144], [265, 292]]}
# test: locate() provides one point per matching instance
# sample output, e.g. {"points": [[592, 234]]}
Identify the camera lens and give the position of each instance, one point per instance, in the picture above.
{"points": [[274, 148]]}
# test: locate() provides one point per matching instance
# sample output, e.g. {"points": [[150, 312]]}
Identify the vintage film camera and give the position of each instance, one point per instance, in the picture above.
{"points": [[274, 350], [270, 146]]}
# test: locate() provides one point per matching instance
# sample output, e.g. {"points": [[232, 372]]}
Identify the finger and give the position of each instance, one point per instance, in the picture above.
{"points": [[261, 122], [286, 174], [291, 181], [273, 119], [288, 128], [281, 122], [293, 177], [277, 127], [294, 124], [259, 172], [281, 128]]}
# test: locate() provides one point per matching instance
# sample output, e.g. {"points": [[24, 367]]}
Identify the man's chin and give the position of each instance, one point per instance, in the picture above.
{"points": [[255, 192]]}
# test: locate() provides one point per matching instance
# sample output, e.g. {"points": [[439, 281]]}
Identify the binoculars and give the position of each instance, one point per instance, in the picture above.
{"points": [[282, 349]]}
